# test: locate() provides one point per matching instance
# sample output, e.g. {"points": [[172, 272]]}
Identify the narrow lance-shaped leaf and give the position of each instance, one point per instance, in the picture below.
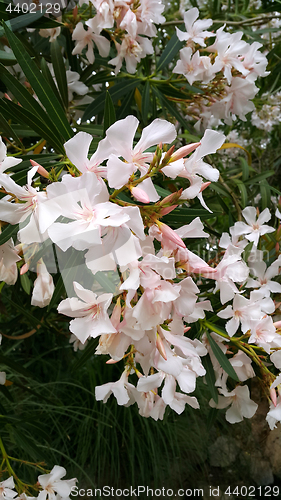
{"points": [[59, 69], [172, 48], [210, 377], [109, 113], [40, 86], [145, 101], [115, 92], [6, 129], [22, 21], [222, 358], [28, 118], [48, 75], [8, 232]]}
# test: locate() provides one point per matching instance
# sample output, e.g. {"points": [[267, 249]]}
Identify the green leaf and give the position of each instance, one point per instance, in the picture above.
{"points": [[48, 76], [259, 177], [40, 86], [210, 377], [15, 366], [171, 107], [171, 50], [25, 283], [5, 391], [222, 358], [182, 215], [145, 102], [243, 192], [265, 194], [100, 77], [22, 21], [17, 307], [6, 129], [115, 92], [125, 108], [109, 113], [8, 232], [7, 58], [26, 117], [245, 168], [88, 352], [59, 69]]}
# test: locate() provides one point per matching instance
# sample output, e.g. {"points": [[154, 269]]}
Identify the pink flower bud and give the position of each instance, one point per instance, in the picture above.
{"points": [[24, 268], [184, 151], [140, 195], [204, 186], [160, 347], [170, 234], [41, 170], [277, 324], [273, 396], [7, 97], [111, 362], [187, 328], [167, 210]]}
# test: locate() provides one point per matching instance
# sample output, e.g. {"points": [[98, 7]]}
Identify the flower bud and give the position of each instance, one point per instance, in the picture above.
{"points": [[140, 195], [41, 170], [170, 234], [273, 396], [160, 346], [184, 151]]}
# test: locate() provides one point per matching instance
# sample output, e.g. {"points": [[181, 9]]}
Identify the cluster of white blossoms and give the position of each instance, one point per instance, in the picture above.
{"points": [[52, 487], [229, 67], [129, 24], [270, 113], [158, 297]]}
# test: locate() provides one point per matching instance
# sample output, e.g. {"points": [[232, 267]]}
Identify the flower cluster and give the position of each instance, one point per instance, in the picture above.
{"points": [[158, 296], [129, 24], [270, 113], [230, 67], [52, 487]]}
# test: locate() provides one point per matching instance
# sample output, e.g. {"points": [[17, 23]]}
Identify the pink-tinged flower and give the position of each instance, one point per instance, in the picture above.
{"points": [[87, 38], [195, 29], [77, 151], [119, 390], [255, 62], [8, 259], [242, 311], [263, 333], [104, 17], [229, 56], [274, 414], [121, 135], [132, 50], [149, 12], [230, 270], [74, 84], [237, 102], [255, 227], [43, 286], [6, 489], [52, 484], [91, 318], [241, 404], [34, 204], [264, 274], [6, 161], [88, 213], [53, 33], [194, 67]]}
